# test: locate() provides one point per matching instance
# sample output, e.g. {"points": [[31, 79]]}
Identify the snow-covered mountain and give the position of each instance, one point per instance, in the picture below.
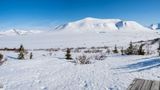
{"points": [[101, 24], [19, 32], [155, 26], [90, 24]]}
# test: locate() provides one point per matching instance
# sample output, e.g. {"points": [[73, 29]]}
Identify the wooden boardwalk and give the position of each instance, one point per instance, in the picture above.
{"points": [[141, 84]]}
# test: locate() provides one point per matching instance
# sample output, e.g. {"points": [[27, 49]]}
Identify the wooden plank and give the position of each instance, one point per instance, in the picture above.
{"points": [[141, 84], [138, 84], [155, 85], [147, 85], [131, 85]]}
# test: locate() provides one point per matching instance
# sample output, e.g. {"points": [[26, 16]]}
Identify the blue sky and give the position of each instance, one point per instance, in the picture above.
{"points": [[40, 14]]}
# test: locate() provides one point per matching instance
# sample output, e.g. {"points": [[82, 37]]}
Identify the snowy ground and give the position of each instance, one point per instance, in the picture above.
{"points": [[46, 72], [76, 39], [53, 73]]}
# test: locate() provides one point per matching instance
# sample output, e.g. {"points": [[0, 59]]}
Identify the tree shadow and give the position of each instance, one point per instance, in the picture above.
{"points": [[143, 65], [12, 57]]}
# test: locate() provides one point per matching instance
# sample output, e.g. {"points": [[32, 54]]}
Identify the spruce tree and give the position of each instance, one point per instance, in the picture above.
{"points": [[129, 50], [21, 48], [1, 56], [115, 49], [21, 55], [31, 56], [122, 51], [158, 49], [108, 51], [68, 54], [1, 59], [21, 52], [141, 50]]}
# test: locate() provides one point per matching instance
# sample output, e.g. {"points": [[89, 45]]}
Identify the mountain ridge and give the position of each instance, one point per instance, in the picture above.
{"points": [[90, 24], [19, 32], [100, 24]]}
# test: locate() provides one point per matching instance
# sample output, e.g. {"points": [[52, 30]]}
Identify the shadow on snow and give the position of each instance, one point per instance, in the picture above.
{"points": [[146, 64], [12, 57]]}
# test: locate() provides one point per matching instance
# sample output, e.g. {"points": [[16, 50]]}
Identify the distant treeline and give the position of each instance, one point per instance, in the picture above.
{"points": [[9, 49], [17, 49]]}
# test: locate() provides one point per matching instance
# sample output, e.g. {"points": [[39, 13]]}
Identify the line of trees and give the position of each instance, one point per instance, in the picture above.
{"points": [[130, 50], [135, 50]]}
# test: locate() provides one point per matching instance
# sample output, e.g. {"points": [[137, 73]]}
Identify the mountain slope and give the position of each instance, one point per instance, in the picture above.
{"points": [[19, 32], [101, 24], [155, 26], [129, 25]]}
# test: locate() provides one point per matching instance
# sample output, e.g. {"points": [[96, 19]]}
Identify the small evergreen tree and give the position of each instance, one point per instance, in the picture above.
{"points": [[141, 50], [108, 51], [21, 52], [158, 49], [115, 49], [21, 48], [21, 55], [122, 51], [1, 56], [31, 55], [68, 54], [148, 49], [130, 49], [1, 59]]}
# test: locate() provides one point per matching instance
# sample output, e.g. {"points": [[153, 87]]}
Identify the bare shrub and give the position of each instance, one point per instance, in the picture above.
{"points": [[1, 59], [87, 51], [103, 47], [93, 48], [101, 56], [65, 49], [82, 47], [108, 51], [53, 49], [76, 50], [93, 51], [83, 59], [79, 49]]}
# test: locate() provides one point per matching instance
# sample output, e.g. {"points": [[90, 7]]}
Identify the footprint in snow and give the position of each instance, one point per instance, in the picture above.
{"points": [[44, 88], [37, 81], [84, 84]]}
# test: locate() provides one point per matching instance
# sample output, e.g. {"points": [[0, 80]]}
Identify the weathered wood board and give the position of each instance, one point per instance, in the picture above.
{"points": [[142, 84]]}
